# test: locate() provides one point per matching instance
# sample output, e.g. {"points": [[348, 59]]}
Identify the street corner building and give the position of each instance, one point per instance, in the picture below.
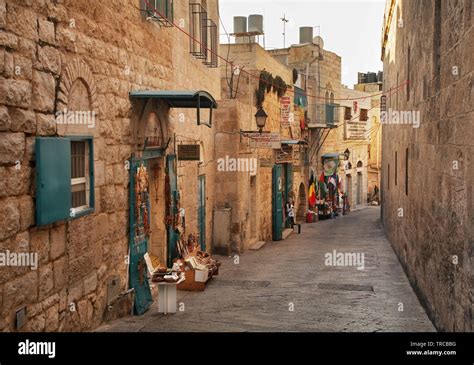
{"points": [[255, 201], [106, 153], [428, 202]]}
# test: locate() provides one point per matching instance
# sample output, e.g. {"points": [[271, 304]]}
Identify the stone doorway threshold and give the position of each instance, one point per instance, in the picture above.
{"points": [[286, 233], [255, 244]]}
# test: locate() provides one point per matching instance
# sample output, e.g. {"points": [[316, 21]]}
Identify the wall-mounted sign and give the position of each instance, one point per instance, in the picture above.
{"points": [[189, 152], [284, 155], [263, 140], [285, 106], [355, 129]]}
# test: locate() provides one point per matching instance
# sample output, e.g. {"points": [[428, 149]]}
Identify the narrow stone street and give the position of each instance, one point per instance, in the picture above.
{"points": [[286, 286]]}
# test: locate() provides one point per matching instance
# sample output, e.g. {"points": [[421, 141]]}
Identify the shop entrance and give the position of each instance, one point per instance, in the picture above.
{"points": [[349, 187], [252, 210], [288, 188], [171, 204], [157, 245], [301, 211], [202, 211], [359, 188], [139, 234], [277, 203]]}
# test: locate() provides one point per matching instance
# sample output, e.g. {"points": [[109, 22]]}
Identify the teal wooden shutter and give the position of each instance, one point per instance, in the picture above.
{"points": [[138, 243], [53, 179], [277, 203], [330, 114]]}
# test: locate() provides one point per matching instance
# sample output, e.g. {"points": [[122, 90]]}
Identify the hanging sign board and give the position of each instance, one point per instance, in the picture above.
{"points": [[285, 106], [189, 152]]}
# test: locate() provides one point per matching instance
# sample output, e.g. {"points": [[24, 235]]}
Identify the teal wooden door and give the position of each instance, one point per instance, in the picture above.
{"points": [[277, 203], [172, 209], [138, 241], [202, 211], [288, 187]]}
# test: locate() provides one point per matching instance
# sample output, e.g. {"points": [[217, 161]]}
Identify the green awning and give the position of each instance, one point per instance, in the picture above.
{"points": [[178, 99], [181, 99]]}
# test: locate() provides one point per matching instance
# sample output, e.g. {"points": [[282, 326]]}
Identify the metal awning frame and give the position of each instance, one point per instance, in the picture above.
{"points": [[182, 99]]}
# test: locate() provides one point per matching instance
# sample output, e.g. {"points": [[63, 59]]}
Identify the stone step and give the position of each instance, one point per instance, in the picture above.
{"points": [[286, 233], [257, 245]]}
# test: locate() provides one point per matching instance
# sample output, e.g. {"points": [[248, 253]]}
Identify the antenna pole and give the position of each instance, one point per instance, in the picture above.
{"points": [[284, 20]]}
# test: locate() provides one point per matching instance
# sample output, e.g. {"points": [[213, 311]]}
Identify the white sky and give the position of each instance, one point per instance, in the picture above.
{"points": [[350, 28]]}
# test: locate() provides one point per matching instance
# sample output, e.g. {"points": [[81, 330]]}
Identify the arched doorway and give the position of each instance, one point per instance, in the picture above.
{"points": [[301, 209]]}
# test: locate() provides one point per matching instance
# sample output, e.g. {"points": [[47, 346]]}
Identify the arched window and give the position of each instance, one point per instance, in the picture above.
{"points": [[360, 164]]}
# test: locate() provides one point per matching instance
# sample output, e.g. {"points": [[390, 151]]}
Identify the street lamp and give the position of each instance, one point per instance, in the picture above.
{"points": [[261, 119], [347, 154]]}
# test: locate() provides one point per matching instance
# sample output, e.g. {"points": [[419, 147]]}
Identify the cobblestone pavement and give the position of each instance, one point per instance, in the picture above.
{"points": [[259, 293]]}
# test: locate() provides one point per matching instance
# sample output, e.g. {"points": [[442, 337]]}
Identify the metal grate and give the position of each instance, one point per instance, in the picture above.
{"points": [[204, 35], [212, 37], [348, 287], [245, 284], [198, 30], [78, 174]]}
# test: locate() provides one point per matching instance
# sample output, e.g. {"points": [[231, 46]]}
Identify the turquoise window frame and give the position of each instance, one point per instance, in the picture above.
{"points": [[91, 208]]}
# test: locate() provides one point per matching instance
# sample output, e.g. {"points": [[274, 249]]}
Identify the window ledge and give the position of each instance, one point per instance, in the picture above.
{"points": [[82, 213]]}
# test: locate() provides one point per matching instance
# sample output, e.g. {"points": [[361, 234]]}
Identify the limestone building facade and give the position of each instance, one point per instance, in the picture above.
{"points": [[250, 194], [96, 60], [427, 182]]}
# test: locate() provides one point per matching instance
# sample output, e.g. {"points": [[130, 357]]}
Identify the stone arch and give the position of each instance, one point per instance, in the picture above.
{"points": [[302, 203], [149, 119], [76, 78], [77, 106]]}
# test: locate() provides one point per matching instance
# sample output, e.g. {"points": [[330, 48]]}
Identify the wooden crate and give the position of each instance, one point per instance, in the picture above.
{"points": [[190, 284]]}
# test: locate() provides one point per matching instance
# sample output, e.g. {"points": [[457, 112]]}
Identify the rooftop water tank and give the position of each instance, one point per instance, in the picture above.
{"points": [[240, 24], [306, 35], [256, 23]]}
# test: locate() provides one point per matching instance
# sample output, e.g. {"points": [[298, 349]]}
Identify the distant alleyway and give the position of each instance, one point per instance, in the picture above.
{"points": [[259, 293]]}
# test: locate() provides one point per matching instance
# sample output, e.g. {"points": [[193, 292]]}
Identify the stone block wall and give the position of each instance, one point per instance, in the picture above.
{"points": [[45, 45], [429, 213]]}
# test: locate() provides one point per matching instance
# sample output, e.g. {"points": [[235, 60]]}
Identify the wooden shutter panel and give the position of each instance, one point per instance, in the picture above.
{"points": [[329, 114], [347, 113], [53, 179]]}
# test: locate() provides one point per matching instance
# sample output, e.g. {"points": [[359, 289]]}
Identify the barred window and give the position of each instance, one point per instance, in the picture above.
{"points": [[79, 175]]}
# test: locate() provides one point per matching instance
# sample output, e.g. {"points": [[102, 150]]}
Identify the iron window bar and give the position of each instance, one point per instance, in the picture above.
{"points": [[211, 28], [197, 26]]}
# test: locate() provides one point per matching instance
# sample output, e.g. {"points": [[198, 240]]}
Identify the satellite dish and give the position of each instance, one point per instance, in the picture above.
{"points": [[318, 41]]}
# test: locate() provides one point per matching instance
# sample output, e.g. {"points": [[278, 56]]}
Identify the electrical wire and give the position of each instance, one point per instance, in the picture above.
{"points": [[204, 46]]}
